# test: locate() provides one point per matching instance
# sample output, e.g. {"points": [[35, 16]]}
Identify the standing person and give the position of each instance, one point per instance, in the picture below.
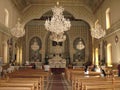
{"points": [[119, 69]]}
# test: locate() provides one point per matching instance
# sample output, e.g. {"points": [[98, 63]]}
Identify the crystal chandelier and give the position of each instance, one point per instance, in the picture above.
{"points": [[35, 46], [58, 24], [98, 32], [18, 30], [58, 37], [80, 45]]}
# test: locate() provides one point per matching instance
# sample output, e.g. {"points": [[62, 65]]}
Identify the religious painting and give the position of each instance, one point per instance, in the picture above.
{"points": [[35, 49], [79, 47]]}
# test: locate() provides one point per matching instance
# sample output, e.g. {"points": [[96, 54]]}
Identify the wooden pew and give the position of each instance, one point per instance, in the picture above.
{"points": [[18, 85], [40, 78], [103, 87], [15, 88], [38, 81], [31, 73], [81, 82]]}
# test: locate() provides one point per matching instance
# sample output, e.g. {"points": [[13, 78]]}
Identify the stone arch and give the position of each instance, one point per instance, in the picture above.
{"points": [[79, 12]]}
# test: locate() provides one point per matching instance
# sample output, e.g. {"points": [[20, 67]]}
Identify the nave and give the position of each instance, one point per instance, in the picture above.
{"points": [[27, 78], [68, 36]]}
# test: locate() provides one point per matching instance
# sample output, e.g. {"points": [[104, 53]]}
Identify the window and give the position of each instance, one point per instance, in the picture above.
{"points": [[93, 59], [109, 55], [5, 52], [108, 18], [96, 57], [6, 17]]}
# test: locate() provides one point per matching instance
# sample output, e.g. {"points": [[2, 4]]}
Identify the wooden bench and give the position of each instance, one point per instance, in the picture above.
{"points": [[38, 81], [81, 82], [103, 87], [10, 84], [15, 88]]}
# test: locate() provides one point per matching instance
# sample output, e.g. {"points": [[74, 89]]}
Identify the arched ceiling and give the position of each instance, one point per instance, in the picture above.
{"points": [[22, 5]]}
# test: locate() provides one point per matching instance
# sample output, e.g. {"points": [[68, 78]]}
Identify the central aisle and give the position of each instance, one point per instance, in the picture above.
{"points": [[58, 82]]}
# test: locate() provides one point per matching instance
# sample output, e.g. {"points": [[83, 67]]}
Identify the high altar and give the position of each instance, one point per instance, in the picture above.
{"points": [[57, 62]]}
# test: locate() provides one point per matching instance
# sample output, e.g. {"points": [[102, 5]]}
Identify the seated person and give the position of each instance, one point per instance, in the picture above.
{"points": [[27, 63], [34, 66], [103, 72], [96, 68], [93, 67], [118, 67], [86, 70]]}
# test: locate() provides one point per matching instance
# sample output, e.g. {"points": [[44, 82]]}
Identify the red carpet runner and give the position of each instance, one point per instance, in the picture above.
{"points": [[58, 82]]}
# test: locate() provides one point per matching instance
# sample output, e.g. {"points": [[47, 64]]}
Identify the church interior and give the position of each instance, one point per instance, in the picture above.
{"points": [[59, 45]]}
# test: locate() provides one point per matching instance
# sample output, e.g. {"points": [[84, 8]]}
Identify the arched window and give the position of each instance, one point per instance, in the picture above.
{"points": [[108, 18], [6, 18], [5, 52], [109, 55], [96, 57], [93, 59]]}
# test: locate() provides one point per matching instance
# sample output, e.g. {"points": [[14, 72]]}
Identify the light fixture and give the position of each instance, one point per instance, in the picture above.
{"points": [[57, 37], [18, 30], [80, 45], [58, 24], [35, 45], [98, 32]]}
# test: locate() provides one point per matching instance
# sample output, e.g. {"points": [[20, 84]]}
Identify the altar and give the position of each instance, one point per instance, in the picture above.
{"points": [[57, 62]]}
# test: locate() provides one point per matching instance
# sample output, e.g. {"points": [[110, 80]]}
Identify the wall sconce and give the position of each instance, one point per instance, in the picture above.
{"points": [[116, 39]]}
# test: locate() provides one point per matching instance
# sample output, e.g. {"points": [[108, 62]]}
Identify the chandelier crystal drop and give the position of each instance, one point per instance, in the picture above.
{"points": [[58, 23], [18, 30], [98, 32], [58, 37], [80, 45]]}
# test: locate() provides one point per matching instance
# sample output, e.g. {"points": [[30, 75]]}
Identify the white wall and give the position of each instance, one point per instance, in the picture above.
{"points": [[114, 30], [13, 13], [4, 31]]}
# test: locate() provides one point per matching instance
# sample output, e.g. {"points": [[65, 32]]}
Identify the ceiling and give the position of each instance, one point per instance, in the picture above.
{"points": [[23, 4]]}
